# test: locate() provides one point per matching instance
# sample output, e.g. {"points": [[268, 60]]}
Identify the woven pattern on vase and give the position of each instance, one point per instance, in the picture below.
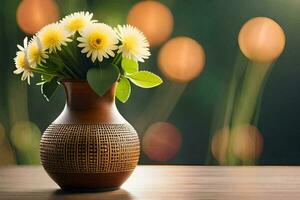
{"points": [[89, 148]]}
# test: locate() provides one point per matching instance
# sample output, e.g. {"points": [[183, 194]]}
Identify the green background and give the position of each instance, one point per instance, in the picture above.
{"points": [[213, 23]]}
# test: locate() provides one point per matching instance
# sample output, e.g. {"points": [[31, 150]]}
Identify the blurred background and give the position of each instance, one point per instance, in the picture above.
{"points": [[221, 102]]}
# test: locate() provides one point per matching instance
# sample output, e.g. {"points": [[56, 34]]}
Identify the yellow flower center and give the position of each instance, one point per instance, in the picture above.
{"points": [[75, 24], [20, 61], [130, 43], [34, 53], [52, 38], [97, 40]]}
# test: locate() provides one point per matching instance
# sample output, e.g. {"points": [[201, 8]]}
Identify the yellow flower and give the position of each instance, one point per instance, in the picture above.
{"points": [[134, 44], [53, 36], [77, 21], [36, 53], [98, 40], [23, 66], [21, 62]]}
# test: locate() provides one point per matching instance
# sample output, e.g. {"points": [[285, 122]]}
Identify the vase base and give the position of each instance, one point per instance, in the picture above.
{"points": [[86, 190], [89, 182]]}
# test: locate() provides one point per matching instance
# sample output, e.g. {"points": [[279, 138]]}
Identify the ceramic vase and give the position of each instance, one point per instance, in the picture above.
{"points": [[90, 146]]}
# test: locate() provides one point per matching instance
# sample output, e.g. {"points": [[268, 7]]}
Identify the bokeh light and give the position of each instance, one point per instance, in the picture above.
{"points": [[154, 19], [32, 15], [219, 145], [7, 156], [181, 59], [162, 141], [261, 39], [244, 142], [2, 133], [25, 136], [247, 142]]}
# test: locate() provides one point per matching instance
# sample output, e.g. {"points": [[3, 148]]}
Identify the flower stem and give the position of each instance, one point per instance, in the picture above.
{"points": [[70, 71], [117, 59], [76, 65], [40, 71]]}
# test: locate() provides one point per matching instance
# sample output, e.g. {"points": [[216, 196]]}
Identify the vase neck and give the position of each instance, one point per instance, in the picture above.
{"points": [[80, 96], [85, 106]]}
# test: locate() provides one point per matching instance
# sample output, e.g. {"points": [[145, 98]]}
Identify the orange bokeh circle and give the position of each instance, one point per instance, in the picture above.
{"points": [[261, 39], [181, 59], [162, 141], [32, 15], [219, 145], [247, 142], [154, 19]]}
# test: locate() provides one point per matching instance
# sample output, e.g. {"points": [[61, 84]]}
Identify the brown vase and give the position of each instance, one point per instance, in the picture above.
{"points": [[90, 145]]}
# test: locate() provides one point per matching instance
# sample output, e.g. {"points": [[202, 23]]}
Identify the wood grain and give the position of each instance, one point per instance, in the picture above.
{"points": [[164, 183]]}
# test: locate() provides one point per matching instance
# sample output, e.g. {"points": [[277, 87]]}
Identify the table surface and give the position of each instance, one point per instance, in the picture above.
{"points": [[164, 182]]}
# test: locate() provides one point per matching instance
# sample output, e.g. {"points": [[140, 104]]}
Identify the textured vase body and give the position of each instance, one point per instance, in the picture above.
{"points": [[90, 145]]}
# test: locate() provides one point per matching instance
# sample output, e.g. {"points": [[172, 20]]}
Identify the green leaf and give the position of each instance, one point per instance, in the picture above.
{"points": [[129, 66], [145, 79], [45, 77], [48, 89], [123, 89], [101, 78]]}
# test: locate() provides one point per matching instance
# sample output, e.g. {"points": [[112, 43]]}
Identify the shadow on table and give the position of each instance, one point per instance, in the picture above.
{"points": [[60, 194], [120, 194]]}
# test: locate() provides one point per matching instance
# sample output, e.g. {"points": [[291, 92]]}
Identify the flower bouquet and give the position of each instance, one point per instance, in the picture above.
{"points": [[79, 47], [90, 145]]}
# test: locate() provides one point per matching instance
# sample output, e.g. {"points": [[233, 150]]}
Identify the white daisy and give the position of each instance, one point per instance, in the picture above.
{"points": [[23, 66], [77, 21], [36, 53], [21, 62], [25, 44], [98, 40], [134, 44], [53, 36]]}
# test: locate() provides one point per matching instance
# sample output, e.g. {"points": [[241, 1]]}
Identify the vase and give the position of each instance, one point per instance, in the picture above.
{"points": [[90, 146]]}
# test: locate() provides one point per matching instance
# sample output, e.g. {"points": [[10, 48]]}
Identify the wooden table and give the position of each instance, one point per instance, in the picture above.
{"points": [[164, 182]]}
